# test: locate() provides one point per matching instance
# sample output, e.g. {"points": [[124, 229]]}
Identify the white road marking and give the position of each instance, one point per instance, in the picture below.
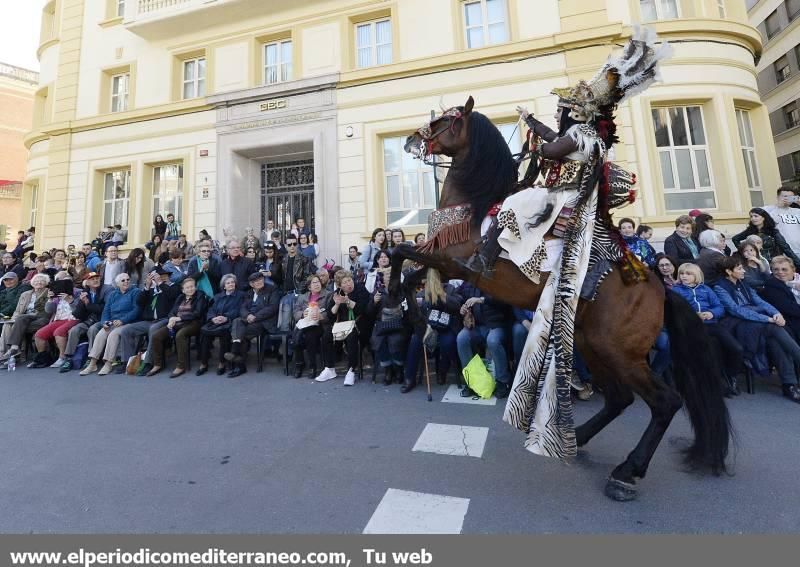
{"points": [[405, 512], [452, 396], [458, 440]]}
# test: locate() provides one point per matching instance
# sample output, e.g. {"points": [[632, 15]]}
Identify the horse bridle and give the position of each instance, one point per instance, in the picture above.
{"points": [[453, 115]]}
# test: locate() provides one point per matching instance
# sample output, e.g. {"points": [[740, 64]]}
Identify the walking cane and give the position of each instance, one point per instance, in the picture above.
{"points": [[427, 374]]}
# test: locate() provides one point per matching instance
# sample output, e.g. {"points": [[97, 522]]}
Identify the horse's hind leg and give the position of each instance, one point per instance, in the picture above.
{"points": [[663, 402]]}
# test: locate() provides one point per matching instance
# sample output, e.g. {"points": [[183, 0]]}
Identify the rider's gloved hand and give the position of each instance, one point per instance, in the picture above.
{"points": [[523, 111]]}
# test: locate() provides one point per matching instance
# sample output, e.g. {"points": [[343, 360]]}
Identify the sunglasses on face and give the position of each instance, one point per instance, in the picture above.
{"points": [[291, 244]]}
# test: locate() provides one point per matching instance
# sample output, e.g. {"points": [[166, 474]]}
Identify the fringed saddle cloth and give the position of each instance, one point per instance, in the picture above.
{"points": [[447, 227]]}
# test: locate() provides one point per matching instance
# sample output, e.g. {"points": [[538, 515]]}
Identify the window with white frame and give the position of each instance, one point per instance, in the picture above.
{"points": [[34, 207], [119, 92], [168, 190], [409, 186], [374, 43], [782, 69], [485, 23], [116, 197], [120, 8], [748, 146], [791, 115], [684, 158], [278, 62], [653, 10], [194, 78]]}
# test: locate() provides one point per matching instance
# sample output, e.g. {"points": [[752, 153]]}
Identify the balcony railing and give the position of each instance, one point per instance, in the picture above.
{"points": [[147, 6]]}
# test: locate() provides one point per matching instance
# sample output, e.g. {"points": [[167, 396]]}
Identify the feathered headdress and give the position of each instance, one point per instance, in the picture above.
{"points": [[618, 80]]}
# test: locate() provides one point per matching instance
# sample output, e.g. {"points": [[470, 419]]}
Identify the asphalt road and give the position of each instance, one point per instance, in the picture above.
{"points": [[269, 454]]}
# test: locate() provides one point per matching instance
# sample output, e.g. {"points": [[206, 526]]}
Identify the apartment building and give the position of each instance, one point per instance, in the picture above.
{"points": [[229, 112], [778, 74]]}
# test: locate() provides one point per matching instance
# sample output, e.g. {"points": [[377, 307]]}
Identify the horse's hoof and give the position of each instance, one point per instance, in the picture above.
{"points": [[620, 491]]}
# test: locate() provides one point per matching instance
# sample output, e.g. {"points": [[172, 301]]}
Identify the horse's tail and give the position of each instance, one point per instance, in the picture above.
{"points": [[434, 291], [698, 379]]}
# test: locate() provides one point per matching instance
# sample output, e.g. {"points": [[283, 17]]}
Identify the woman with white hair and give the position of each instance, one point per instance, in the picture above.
{"points": [[29, 316], [121, 308], [712, 252], [224, 309]]}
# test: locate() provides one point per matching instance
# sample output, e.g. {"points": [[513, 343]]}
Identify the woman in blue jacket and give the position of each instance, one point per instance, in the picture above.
{"points": [[708, 307], [752, 319]]}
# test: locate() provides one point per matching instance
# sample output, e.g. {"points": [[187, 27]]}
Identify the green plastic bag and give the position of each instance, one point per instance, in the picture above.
{"points": [[478, 378]]}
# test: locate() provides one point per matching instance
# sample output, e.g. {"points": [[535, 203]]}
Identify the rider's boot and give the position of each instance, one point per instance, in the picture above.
{"points": [[483, 259]]}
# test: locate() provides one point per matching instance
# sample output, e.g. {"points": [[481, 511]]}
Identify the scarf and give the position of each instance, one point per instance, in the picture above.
{"points": [[203, 283]]}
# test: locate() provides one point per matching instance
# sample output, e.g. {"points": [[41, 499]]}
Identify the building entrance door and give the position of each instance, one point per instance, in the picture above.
{"points": [[287, 193]]}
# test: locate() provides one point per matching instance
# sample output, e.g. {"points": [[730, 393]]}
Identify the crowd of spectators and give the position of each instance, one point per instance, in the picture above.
{"points": [[89, 310]]}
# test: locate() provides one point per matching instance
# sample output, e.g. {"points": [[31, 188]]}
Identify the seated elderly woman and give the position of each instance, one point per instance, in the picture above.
{"points": [[223, 310], [28, 317], [120, 309], [184, 322], [347, 303], [753, 320], [310, 316], [711, 255]]}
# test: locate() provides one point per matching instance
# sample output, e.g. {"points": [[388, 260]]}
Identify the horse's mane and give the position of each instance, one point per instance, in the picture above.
{"points": [[489, 172]]}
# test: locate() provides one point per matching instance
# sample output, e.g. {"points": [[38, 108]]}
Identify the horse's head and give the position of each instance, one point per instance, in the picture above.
{"points": [[444, 135]]}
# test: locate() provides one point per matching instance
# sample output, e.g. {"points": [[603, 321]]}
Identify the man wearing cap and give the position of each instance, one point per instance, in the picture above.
{"points": [[88, 309], [237, 265], [155, 301], [9, 295], [257, 316]]}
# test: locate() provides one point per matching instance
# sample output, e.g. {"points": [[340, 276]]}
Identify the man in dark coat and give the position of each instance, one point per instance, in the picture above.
{"points": [[88, 309], [237, 265], [779, 291], [295, 267], [257, 316]]}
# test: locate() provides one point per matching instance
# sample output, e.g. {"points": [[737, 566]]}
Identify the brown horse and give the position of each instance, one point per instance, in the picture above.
{"points": [[614, 333]]}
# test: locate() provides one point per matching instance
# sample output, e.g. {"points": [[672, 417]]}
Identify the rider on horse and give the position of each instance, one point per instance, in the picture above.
{"points": [[586, 131]]}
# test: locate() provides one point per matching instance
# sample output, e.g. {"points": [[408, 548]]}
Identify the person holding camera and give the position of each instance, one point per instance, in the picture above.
{"points": [[205, 270], [120, 309], [155, 301], [347, 303], [60, 308], [786, 214]]}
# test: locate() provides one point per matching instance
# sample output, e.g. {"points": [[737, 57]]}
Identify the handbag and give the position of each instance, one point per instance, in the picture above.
{"points": [[439, 320], [341, 330], [469, 320], [391, 321]]}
